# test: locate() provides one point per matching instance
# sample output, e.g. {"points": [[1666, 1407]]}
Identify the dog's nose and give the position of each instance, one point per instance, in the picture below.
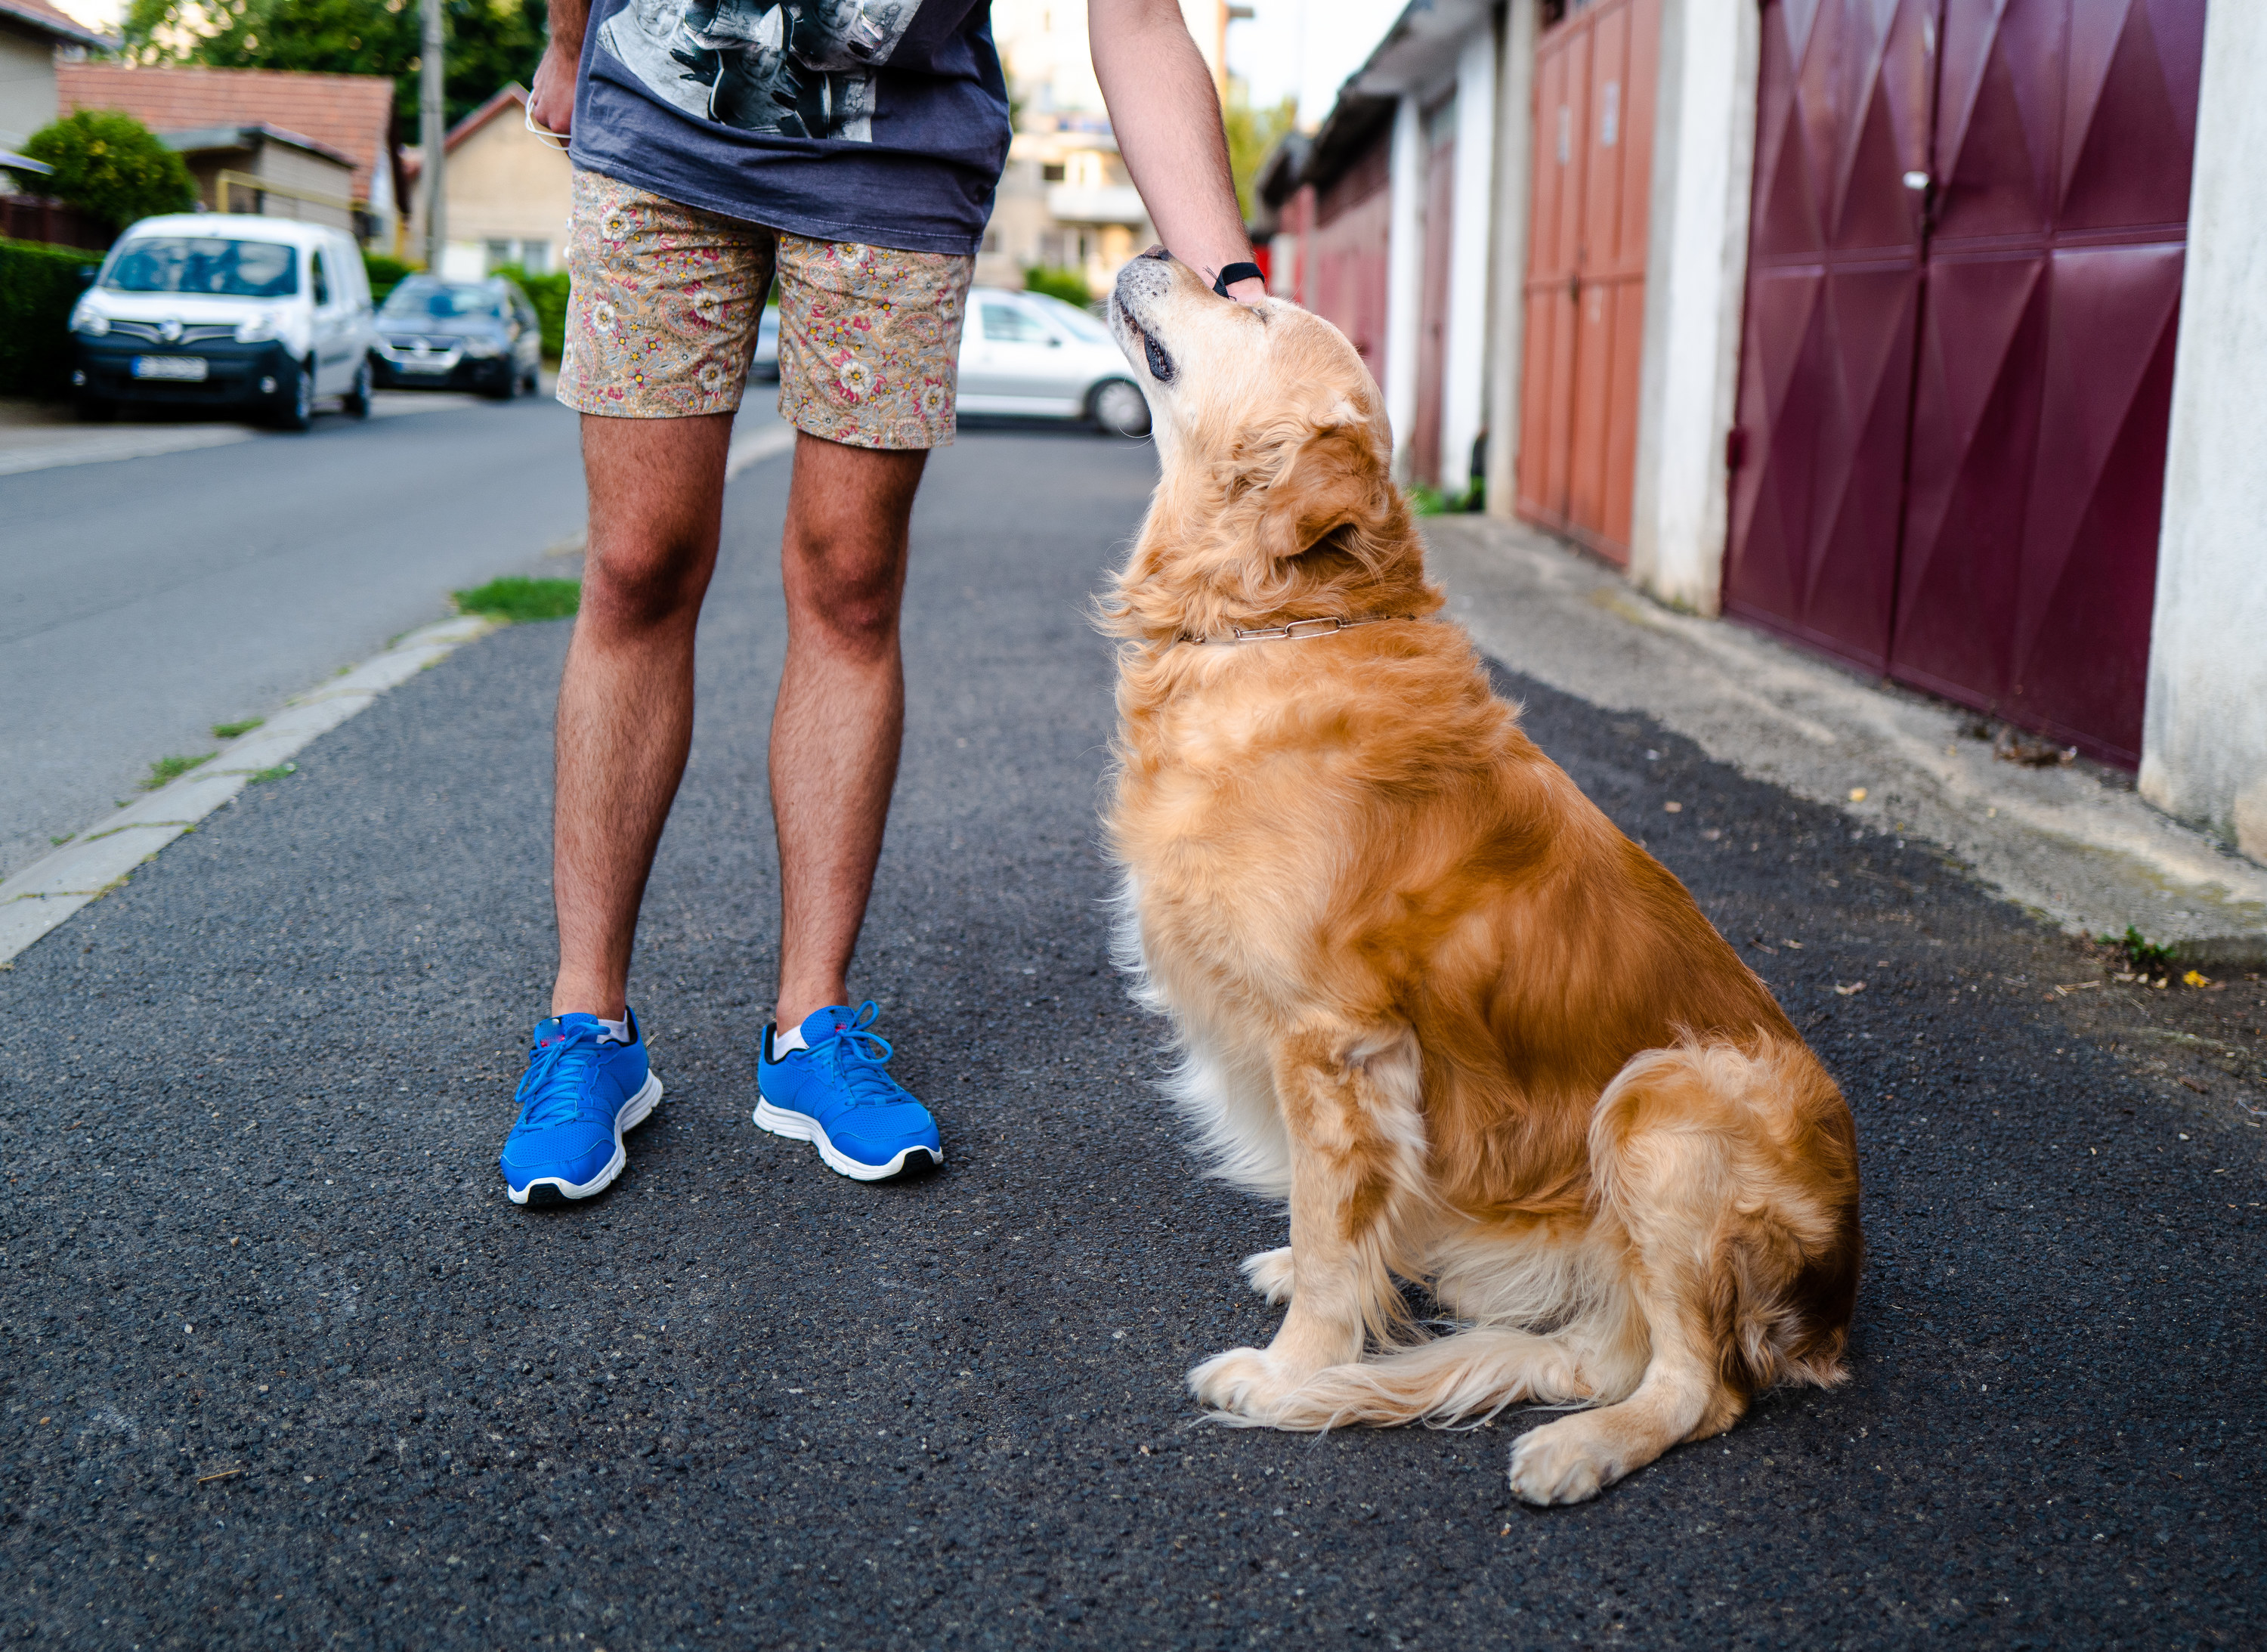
{"points": [[1160, 254]]}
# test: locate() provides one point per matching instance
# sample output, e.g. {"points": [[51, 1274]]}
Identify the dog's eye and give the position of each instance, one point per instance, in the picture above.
{"points": [[1160, 365]]}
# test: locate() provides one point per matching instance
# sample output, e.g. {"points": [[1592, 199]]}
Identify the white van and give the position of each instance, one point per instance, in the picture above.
{"points": [[227, 310]]}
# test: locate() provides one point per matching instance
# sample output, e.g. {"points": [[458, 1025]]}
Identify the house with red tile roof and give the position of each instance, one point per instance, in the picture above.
{"points": [[33, 38], [506, 192], [314, 146]]}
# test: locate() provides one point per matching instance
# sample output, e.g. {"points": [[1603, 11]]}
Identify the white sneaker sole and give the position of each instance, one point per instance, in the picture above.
{"points": [[633, 1114], [801, 1126]]}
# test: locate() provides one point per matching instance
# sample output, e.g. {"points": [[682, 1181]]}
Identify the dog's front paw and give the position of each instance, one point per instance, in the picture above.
{"points": [[1562, 1461], [1269, 1272], [1242, 1382]]}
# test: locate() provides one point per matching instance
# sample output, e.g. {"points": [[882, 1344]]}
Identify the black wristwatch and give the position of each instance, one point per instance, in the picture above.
{"points": [[1234, 273]]}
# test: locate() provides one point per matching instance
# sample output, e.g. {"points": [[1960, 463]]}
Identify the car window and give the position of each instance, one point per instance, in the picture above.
{"points": [[322, 280], [210, 264], [1006, 322], [1079, 324]]}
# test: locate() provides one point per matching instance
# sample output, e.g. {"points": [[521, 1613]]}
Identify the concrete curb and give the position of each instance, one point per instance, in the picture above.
{"points": [[47, 892]]}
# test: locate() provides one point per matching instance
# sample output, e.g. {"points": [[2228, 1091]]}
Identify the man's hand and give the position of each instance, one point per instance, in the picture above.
{"points": [[551, 99], [1166, 115]]}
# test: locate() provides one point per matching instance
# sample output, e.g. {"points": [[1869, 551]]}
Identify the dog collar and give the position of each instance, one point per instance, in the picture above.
{"points": [[1297, 630]]}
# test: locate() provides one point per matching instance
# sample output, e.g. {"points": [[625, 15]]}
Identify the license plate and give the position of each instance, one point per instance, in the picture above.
{"points": [[191, 367], [411, 364]]}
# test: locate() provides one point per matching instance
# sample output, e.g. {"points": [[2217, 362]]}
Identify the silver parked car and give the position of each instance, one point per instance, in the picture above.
{"points": [[1025, 353]]}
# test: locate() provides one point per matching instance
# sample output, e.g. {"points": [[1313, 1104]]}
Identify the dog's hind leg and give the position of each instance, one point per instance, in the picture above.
{"points": [[1737, 1191], [1350, 1104]]}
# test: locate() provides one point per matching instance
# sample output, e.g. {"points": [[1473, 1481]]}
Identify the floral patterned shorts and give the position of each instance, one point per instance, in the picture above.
{"points": [[665, 301]]}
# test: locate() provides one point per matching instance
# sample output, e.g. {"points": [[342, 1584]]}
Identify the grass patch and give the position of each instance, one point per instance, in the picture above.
{"points": [[2141, 956], [518, 598], [230, 730], [276, 773], [1431, 502], [167, 769]]}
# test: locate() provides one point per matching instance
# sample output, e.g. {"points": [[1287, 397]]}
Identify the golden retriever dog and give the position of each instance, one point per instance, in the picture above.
{"points": [[1424, 990]]}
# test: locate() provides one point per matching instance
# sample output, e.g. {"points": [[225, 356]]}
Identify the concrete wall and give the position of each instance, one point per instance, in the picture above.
{"points": [[27, 84], [2204, 744], [1404, 280], [1695, 281], [1514, 125], [1465, 363]]}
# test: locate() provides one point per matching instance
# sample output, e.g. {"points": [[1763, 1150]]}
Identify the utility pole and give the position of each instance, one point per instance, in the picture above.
{"points": [[432, 136]]}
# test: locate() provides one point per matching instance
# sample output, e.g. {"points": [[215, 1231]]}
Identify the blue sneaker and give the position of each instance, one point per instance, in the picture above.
{"points": [[835, 1094], [581, 1091]]}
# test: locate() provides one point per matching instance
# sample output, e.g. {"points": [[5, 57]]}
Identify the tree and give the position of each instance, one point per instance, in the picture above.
{"points": [[1252, 134], [491, 42], [111, 167]]}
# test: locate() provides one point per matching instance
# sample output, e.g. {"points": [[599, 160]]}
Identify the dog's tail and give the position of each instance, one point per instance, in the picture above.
{"points": [[1460, 1380]]}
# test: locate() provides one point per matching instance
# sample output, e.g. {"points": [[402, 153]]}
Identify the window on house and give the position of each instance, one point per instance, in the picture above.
{"points": [[499, 252], [1051, 173], [535, 257]]}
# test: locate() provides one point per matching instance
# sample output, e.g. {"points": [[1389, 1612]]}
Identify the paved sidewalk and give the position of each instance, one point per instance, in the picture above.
{"points": [[280, 1364], [2075, 844]]}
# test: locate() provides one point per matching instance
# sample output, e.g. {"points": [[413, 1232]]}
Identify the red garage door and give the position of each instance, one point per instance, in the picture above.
{"points": [[1964, 275], [1585, 289]]}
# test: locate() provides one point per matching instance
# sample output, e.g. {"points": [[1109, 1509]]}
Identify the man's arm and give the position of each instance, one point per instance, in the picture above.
{"points": [[1167, 118], [551, 100]]}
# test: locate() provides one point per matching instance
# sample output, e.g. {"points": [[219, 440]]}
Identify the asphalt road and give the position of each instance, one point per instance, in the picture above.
{"points": [[145, 599], [282, 1367]]}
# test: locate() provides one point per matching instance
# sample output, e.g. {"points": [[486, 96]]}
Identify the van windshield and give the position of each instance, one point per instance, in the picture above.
{"points": [[205, 264], [421, 296]]}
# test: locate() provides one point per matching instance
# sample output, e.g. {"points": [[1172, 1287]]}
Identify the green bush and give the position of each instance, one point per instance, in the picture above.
{"points": [[385, 274], [548, 295], [1069, 285], [37, 287], [111, 167]]}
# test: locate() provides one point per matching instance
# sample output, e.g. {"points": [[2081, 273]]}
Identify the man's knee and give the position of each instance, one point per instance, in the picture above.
{"points": [[849, 591], [641, 585]]}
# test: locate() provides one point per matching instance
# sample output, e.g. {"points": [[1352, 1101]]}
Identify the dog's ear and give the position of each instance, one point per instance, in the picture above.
{"points": [[1333, 478]]}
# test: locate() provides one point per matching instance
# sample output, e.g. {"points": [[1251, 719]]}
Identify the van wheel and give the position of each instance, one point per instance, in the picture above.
{"points": [[358, 399], [295, 410], [1117, 408]]}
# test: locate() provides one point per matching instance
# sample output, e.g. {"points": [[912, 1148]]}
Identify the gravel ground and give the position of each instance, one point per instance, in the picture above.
{"points": [[283, 1367]]}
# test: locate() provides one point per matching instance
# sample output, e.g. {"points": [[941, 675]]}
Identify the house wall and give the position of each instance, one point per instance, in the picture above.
{"points": [[1511, 180], [1463, 389], [28, 83], [2204, 753], [1405, 282], [503, 184], [1696, 279]]}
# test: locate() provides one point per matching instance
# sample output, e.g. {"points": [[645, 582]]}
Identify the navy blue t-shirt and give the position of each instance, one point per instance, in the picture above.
{"points": [[878, 121]]}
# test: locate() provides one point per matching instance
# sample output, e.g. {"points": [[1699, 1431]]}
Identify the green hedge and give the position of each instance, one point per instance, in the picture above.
{"points": [[385, 274], [37, 287], [548, 295], [1069, 285]]}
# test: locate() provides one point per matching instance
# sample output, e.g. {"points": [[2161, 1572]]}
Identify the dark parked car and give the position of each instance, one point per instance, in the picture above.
{"points": [[458, 335]]}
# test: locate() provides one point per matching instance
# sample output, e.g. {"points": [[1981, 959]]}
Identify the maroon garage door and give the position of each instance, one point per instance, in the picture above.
{"points": [[1964, 274]]}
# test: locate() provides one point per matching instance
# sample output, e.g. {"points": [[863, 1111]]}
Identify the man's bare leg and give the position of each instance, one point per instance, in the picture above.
{"points": [[657, 489], [840, 715]]}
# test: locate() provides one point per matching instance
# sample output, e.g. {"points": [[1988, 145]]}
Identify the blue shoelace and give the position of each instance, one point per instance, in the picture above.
{"points": [[856, 1057], [556, 1089]]}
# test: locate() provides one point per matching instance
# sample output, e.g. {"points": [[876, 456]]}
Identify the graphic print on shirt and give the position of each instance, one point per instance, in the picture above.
{"points": [[796, 68]]}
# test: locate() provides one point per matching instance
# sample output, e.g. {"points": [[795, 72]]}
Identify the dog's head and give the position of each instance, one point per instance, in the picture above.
{"points": [[1277, 498]]}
